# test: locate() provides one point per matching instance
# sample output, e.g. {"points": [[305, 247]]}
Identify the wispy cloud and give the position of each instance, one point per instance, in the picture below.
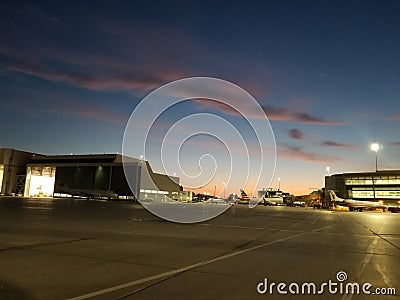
{"points": [[92, 79], [128, 56], [298, 153], [394, 118], [285, 114], [296, 134], [272, 113], [337, 145]]}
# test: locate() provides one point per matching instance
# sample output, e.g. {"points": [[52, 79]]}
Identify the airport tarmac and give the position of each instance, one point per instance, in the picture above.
{"points": [[77, 249]]}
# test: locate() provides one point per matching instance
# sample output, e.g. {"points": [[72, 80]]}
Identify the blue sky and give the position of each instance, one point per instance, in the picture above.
{"points": [[325, 72]]}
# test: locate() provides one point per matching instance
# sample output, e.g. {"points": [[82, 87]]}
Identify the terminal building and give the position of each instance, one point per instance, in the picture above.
{"points": [[87, 176], [379, 185]]}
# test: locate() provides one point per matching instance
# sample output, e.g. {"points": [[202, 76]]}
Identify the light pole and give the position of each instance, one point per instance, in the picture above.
{"points": [[375, 147], [224, 188], [279, 183]]}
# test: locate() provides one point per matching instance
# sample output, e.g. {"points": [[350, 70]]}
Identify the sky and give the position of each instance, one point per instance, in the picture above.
{"points": [[326, 74]]}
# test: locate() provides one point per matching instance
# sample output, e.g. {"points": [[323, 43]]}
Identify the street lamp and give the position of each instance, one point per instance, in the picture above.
{"points": [[375, 147], [279, 183]]}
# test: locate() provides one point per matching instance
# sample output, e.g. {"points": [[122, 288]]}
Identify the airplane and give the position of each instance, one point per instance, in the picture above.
{"points": [[216, 200], [61, 187], [355, 205], [272, 197], [244, 198]]}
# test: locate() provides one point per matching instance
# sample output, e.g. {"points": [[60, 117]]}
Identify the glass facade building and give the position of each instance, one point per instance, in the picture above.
{"points": [[380, 185]]}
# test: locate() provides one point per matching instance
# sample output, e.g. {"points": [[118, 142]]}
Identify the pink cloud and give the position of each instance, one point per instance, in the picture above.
{"points": [[207, 103], [273, 113], [338, 145], [297, 153], [90, 71], [95, 81], [284, 114], [394, 118]]}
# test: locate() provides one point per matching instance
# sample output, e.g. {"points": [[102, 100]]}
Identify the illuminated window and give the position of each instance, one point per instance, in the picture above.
{"points": [[389, 180], [386, 194]]}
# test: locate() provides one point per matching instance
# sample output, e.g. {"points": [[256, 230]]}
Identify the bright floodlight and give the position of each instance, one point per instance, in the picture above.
{"points": [[375, 147]]}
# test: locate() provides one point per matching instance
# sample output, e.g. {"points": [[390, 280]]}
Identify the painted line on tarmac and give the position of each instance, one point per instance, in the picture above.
{"points": [[364, 264], [369, 253], [36, 207], [187, 268]]}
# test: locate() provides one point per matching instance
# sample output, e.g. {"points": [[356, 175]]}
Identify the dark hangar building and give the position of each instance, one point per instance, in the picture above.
{"points": [[102, 175]]}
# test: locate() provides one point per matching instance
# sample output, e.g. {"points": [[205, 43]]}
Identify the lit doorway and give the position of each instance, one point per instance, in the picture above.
{"points": [[40, 181]]}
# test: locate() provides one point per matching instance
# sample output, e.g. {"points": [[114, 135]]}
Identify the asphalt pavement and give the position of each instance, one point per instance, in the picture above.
{"points": [[77, 249]]}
